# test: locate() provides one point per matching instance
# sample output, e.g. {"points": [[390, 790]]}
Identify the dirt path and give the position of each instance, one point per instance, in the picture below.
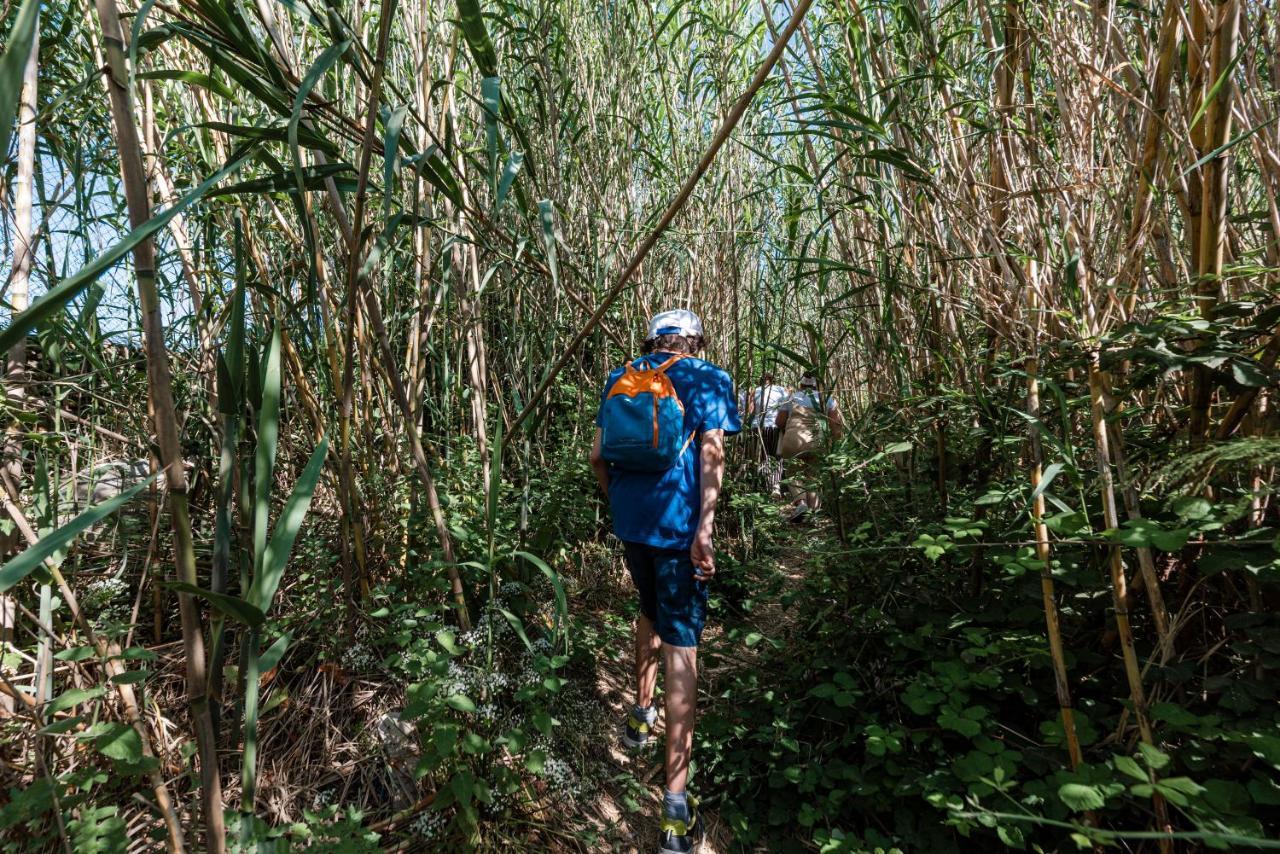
{"points": [[628, 802], [629, 798]]}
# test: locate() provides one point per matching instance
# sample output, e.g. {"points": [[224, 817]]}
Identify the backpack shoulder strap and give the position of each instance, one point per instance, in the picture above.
{"points": [[662, 369]]}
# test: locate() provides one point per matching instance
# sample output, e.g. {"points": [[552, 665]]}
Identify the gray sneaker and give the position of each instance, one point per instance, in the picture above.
{"points": [[639, 727]]}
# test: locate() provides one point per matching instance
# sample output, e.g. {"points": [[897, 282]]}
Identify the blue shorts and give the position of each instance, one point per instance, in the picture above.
{"points": [[673, 600]]}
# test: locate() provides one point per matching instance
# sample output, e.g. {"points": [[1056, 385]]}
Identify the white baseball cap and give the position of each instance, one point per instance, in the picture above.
{"points": [[676, 321]]}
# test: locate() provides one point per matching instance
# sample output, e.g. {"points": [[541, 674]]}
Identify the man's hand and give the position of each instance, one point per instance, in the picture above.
{"points": [[703, 555]]}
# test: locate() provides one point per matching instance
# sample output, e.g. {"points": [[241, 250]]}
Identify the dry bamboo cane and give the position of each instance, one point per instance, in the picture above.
{"points": [[357, 291], [166, 418], [1052, 629], [16, 375], [1115, 562], [1213, 199], [1151, 150]]}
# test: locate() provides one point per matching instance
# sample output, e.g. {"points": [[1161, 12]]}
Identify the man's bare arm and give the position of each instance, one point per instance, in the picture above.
{"points": [[711, 476], [836, 420], [599, 465]]}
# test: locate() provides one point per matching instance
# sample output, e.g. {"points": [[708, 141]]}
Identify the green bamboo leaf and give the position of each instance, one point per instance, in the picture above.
{"points": [[431, 166], [317, 70], [518, 626], [491, 96], [314, 178], [1213, 90], [477, 37], [12, 64], [264, 462], [1226, 146], [1050, 473], [59, 295], [391, 154], [514, 161], [546, 216], [27, 561], [495, 481], [562, 601], [195, 78], [135, 34], [232, 606], [267, 580], [274, 653], [273, 133], [234, 352]]}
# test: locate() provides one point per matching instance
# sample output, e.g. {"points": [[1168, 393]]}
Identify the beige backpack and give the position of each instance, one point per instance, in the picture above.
{"points": [[803, 435]]}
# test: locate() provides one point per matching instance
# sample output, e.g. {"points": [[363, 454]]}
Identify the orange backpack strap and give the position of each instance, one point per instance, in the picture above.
{"points": [[662, 369]]}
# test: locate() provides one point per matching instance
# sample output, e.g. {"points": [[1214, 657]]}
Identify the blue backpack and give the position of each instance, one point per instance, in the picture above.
{"points": [[642, 420]]}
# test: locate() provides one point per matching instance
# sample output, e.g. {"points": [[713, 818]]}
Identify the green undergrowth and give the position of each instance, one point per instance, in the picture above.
{"points": [[900, 694]]}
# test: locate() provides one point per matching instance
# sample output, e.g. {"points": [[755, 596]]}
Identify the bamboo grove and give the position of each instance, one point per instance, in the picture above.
{"points": [[334, 285]]}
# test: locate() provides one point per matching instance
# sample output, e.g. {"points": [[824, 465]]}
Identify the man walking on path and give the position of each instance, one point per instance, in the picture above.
{"points": [[665, 519], [803, 418], [762, 416]]}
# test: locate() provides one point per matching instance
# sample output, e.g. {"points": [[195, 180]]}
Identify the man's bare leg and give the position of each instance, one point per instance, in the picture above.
{"points": [[682, 702], [648, 646]]}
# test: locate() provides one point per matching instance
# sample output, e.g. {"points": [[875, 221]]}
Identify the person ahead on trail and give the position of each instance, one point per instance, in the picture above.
{"points": [[659, 456], [801, 418], [762, 418]]}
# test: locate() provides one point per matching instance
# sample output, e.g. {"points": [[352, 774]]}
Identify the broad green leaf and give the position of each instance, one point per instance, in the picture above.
{"points": [[74, 697], [76, 653], [1155, 758], [276, 555], [27, 561], [1081, 798], [119, 741], [445, 638], [271, 657], [460, 702], [1126, 765], [130, 677]]}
